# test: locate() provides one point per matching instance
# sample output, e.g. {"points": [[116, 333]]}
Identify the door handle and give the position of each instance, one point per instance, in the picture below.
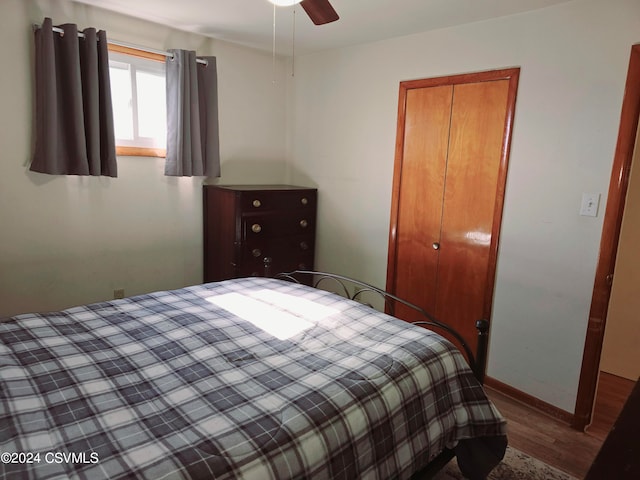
{"points": [[435, 245]]}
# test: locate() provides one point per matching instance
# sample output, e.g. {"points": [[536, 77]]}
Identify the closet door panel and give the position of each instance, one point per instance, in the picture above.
{"points": [[475, 151], [426, 139]]}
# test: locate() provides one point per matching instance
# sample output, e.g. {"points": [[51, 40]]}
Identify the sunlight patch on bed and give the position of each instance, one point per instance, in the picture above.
{"points": [[279, 314]]}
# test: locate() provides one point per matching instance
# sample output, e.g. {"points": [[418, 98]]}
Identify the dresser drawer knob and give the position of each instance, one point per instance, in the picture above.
{"points": [[256, 228], [304, 223], [304, 246], [304, 200], [256, 252], [257, 203]]}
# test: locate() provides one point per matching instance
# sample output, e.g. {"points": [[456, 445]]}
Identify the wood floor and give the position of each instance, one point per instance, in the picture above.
{"points": [[553, 441], [611, 394]]}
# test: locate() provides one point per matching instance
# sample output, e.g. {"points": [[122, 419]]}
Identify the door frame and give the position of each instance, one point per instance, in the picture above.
{"points": [[610, 238], [513, 76]]}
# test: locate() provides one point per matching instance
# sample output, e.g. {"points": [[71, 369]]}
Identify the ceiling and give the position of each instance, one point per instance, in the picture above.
{"points": [[251, 22]]}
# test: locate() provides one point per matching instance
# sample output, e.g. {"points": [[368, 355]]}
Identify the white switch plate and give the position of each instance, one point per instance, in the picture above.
{"points": [[589, 205]]}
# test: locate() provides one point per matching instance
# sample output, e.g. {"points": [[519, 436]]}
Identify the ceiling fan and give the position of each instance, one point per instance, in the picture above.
{"points": [[319, 11]]}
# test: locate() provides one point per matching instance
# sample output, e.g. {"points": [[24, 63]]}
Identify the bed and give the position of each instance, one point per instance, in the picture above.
{"points": [[252, 378]]}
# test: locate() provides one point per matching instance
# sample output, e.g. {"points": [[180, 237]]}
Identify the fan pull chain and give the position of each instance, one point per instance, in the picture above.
{"points": [[293, 46], [273, 66]]}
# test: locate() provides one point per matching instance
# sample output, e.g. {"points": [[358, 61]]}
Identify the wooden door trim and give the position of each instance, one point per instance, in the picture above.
{"points": [[609, 243], [473, 77], [395, 188], [510, 74]]}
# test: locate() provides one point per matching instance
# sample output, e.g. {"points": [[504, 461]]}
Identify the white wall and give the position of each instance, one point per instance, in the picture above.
{"points": [[72, 240], [573, 60]]}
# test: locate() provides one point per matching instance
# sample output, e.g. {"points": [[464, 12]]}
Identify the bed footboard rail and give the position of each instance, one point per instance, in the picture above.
{"points": [[356, 290]]}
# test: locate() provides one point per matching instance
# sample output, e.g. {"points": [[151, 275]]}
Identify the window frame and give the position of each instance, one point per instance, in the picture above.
{"points": [[134, 151]]}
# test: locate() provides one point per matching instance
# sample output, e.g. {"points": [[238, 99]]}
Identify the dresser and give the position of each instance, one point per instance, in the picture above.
{"points": [[258, 230]]}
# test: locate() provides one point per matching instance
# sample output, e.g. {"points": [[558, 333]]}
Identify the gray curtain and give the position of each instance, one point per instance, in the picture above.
{"points": [[192, 116], [74, 119]]}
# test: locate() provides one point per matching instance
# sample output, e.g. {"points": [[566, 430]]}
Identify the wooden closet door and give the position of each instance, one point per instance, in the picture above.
{"points": [[478, 120], [448, 191], [426, 138]]}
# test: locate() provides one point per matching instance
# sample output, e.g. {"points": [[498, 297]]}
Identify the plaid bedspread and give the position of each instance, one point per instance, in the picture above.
{"points": [[249, 378]]}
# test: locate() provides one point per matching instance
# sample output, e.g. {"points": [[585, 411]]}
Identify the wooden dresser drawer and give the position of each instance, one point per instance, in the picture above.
{"points": [[294, 246], [256, 267], [277, 225], [265, 200]]}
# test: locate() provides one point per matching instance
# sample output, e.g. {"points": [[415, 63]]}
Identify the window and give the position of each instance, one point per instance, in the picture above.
{"points": [[139, 102]]}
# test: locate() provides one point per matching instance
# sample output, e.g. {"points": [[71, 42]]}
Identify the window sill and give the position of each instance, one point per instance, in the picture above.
{"points": [[141, 152]]}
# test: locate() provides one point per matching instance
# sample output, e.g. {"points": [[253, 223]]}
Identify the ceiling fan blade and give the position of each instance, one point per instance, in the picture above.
{"points": [[319, 11]]}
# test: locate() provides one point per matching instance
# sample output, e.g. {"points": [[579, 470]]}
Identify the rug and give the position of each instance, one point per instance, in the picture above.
{"points": [[515, 466]]}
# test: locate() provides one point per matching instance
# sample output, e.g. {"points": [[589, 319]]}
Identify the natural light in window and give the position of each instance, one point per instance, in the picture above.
{"points": [[152, 106], [139, 101], [281, 315], [121, 96]]}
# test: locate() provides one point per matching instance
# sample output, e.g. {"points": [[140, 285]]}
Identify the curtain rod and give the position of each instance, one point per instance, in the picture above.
{"points": [[125, 44]]}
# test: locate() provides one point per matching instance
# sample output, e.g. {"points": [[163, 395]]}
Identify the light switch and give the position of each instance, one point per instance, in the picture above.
{"points": [[589, 205]]}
